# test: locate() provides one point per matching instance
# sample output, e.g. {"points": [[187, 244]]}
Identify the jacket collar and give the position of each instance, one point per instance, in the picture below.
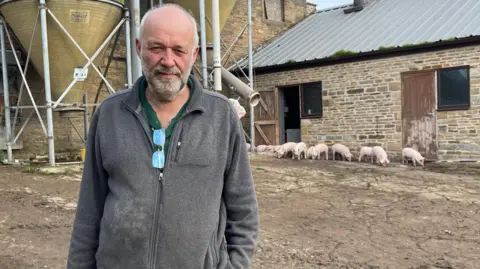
{"points": [[196, 103]]}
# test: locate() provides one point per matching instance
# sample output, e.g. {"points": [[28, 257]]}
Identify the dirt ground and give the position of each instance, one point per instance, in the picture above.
{"points": [[314, 214]]}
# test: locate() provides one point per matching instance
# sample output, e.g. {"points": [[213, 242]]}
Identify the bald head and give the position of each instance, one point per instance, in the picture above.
{"points": [[170, 15]]}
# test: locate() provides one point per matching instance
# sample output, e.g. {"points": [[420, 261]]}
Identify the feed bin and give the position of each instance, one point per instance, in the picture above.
{"points": [[89, 22]]}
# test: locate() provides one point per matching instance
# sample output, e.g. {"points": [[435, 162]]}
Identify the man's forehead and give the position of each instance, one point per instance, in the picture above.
{"points": [[166, 40]]}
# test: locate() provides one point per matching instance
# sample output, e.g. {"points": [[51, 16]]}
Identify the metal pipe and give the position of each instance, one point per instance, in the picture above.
{"points": [[216, 46], [203, 46], [46, 78], [27, 62], [128, 48], [226, 47], [6, 95], [25, 80], [85, 118], [135, 34], [250, 72], [240, 88], [24, 107]]}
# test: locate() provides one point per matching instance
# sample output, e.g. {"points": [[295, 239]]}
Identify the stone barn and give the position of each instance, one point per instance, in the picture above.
{"points": [[382, 72]]}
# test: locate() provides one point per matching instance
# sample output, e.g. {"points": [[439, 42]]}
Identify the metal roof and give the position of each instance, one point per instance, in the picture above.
{"points": [[381, 23]]}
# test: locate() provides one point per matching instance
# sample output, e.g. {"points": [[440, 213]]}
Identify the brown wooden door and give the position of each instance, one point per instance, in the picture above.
{"points": [[418, 113], [266, 119]]}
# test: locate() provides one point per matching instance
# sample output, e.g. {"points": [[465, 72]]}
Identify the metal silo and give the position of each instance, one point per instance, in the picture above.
{"points": [[84, 22]]}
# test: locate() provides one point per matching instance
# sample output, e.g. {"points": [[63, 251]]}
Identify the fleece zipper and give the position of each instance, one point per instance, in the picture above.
{"points": [[158, 206], [158, 193]]}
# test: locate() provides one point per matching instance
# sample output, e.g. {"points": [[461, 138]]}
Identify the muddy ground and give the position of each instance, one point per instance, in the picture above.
{"points": [[314, 214]]}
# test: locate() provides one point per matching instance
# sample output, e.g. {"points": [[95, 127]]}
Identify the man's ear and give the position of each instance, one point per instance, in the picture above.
{"points": [[195, 53], [138, 46]]}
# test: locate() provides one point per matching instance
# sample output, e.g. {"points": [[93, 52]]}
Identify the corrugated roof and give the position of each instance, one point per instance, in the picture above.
{"points": [[381, 23]]}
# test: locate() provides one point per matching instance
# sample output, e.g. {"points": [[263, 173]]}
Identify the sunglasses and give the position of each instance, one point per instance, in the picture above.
{"points": [[158, 158]]}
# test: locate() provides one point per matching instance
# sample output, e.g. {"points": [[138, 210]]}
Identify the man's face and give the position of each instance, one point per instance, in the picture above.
{"points": [[167, 54]]}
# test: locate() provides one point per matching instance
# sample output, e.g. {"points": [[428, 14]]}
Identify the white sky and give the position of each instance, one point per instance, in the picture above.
{"points": [[329, 3]]}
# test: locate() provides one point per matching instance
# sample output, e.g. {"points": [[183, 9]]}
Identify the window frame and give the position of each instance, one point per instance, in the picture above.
{"points": [[300, 90], [265, 13], [453, 107]]}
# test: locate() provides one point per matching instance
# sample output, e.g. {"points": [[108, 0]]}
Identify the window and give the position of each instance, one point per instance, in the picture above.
{"points": [[274, 10], [311, 100], [453, 88]]}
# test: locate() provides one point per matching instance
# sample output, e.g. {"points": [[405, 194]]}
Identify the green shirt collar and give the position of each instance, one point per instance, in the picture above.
{"points": [[150, 112]]}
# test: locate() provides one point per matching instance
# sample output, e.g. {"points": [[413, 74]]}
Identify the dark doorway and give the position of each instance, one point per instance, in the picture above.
{"points": [[289, 113]]}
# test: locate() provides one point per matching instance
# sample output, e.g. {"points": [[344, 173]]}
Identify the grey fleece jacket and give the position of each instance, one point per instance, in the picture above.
{"points": [[201, 212]]}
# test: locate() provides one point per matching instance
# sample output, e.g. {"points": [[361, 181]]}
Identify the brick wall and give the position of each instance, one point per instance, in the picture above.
{"points": [[356, 93]]}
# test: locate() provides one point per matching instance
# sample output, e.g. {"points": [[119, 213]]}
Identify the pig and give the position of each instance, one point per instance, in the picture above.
{"points": [[300, 151], [365, 151], [310, 152], [342, 150], [285, 149], [276, 148], [238, 108], [319, 149], [414, 155], [380, 156], [261, 148]]}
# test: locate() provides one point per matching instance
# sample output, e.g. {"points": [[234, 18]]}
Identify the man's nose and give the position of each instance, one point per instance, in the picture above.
{"points": [[167, 59]]}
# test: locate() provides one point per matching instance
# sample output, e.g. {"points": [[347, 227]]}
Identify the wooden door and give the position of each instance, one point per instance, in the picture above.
{"points": [[266, 119], [418, 113]]}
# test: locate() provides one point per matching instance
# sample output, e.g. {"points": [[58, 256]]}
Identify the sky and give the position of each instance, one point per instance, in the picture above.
{"points": [[329, 3]]}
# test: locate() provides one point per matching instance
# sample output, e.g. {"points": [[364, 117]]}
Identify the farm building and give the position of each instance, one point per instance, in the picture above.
{"points": [[381, 72], [270, 17]]}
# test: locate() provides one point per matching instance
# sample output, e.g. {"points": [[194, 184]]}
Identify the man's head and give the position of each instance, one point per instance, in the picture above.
{"points": [[168, 47]]}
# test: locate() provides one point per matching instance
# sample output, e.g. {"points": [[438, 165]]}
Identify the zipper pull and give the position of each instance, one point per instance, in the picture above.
{"points": [[160, 177]]}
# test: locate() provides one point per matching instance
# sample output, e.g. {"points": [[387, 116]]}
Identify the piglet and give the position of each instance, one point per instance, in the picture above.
{"points": [[380, 155], [414, 155], [342, 150], [238, 108], [300, 151], [365, 151], [261, 148], [310, 151], [319, 149], [285, 149]]}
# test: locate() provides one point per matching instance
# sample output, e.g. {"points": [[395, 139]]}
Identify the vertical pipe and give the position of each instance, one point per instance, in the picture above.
{"points": [[85, 117], [203, 46], [250, 72], [46, 75], [128, 50], [216, 45], [135, 33], [6, 95]]}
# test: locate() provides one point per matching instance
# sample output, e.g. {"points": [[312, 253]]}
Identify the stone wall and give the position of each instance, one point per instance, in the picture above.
{"points": [[263, 29], [356, 93]]}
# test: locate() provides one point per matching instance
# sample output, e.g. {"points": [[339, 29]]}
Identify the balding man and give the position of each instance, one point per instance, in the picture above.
{"points": [[166, 180]]}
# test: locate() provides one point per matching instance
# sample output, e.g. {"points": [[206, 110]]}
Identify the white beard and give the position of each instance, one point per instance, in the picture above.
{"points": [[165, 89]]}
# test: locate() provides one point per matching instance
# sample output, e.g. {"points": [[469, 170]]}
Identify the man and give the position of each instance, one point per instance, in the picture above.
{"points": [[167, 181]]}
